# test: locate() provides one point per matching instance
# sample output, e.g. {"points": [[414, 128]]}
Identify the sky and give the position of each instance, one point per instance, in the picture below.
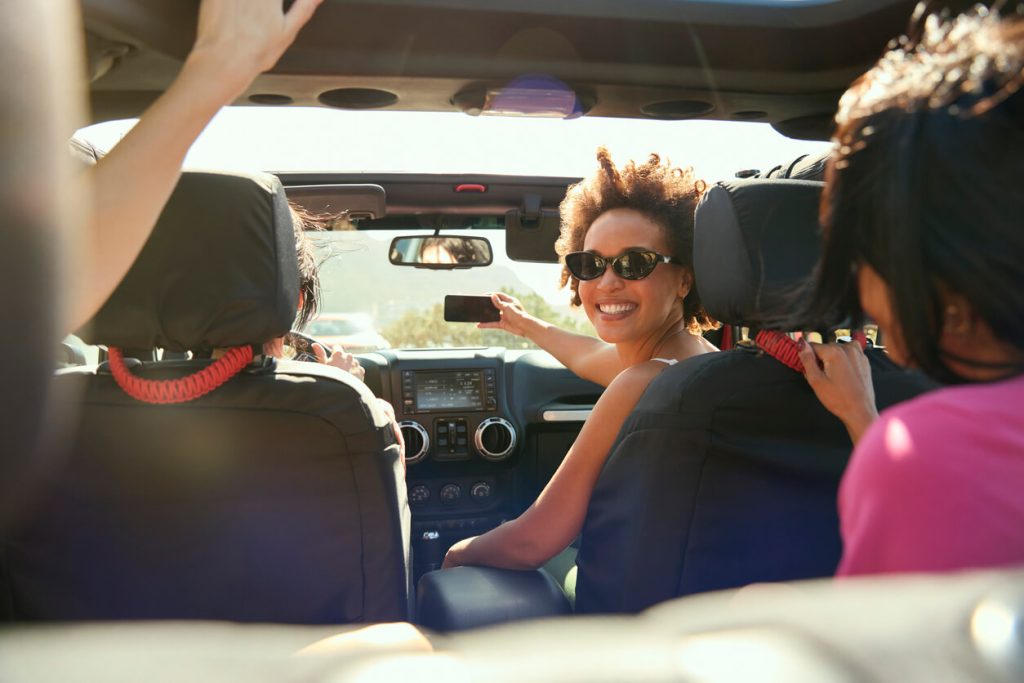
{"points": [[321, 139]]}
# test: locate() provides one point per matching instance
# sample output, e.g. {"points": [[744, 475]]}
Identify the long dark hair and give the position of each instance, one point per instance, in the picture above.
{"points": [[305, 223], [925, 185]]}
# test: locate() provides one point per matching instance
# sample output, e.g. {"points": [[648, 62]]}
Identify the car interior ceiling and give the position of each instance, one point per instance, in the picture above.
{"points": [[280, 498], [623, 60]]}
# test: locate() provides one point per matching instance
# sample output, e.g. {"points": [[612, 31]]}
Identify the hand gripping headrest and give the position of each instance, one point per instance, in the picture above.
{"points": [[219, 270], [755, 242]]}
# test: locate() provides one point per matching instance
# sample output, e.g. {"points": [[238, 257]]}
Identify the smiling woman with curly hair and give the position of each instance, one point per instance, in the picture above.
{"points": [[666, 195], [626, 247]]}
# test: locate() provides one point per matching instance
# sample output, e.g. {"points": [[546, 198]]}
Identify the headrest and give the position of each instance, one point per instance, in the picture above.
{"points": [[755, 242], [219, 270]]}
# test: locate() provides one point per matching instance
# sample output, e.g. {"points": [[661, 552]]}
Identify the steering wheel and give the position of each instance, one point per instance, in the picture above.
{"points": [[303, 345]]}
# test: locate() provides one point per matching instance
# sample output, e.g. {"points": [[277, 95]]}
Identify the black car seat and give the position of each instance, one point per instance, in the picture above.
{"points": [[278, 496], [727, 471]]}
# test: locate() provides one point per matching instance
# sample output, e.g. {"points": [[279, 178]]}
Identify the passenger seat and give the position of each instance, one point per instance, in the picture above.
{"points": [[727, 471]]}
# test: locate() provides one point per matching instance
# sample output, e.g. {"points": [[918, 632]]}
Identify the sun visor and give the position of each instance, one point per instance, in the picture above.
{"points": [[219, 270], [755, 243]]}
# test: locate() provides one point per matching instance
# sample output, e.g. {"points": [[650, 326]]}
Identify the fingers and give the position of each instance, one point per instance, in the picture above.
{"points": [[501, 301], [346, 361], [832, 361], [809, 359], [298, 15], [340, 359]]}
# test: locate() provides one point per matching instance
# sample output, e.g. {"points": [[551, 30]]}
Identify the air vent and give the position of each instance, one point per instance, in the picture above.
{"points": [[495, 439], [417, 441], [358, 98], [677, 109]]}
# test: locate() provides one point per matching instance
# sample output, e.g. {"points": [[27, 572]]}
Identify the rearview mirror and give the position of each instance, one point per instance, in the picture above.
{"points": [[440, 252]]}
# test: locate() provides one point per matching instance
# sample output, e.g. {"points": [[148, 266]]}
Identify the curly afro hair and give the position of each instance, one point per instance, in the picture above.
{"points": [[664, 194]]}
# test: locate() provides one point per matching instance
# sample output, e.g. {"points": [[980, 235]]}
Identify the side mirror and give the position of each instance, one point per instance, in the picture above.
{"points": [[440, 252]]}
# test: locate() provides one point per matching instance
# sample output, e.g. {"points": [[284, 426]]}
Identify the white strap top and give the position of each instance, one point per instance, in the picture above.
{"points": [[666, 361]]}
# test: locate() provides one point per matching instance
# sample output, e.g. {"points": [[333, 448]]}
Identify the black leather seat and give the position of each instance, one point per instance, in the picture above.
{"points": [[277, 497], [727, 471]]}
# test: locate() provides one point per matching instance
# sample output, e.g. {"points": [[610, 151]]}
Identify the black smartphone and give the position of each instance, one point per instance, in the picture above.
{"points": [[469, 309]]}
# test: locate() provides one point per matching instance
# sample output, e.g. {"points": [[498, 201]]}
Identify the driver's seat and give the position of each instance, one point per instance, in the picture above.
{"points": [[277, 497]]}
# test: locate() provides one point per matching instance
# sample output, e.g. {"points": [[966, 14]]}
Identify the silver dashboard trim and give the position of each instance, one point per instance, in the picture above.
{"points": [[579, 415]]}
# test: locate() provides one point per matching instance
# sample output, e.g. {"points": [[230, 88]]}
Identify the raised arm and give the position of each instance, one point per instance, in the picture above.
{"points": [[549, 525], [236, 41], [588, 357]]}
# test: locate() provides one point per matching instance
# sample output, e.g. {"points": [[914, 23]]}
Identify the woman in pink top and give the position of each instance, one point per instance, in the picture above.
{"points": [[924, 233]]}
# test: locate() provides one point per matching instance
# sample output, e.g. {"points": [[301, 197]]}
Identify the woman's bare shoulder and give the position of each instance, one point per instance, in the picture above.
{"points": [[634, 379]]}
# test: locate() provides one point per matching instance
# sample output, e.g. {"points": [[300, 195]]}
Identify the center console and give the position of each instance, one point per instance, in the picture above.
{"points": [[460, 442], [453, 415]]}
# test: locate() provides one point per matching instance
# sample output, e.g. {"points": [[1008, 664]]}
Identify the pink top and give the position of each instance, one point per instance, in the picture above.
{"points": [[937, 484]]}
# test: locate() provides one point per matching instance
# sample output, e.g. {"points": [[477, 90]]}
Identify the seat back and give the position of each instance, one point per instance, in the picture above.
{"points": [[277, 497], [728, 470]]}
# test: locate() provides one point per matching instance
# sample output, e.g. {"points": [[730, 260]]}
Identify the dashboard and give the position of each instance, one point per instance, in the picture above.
{"points": [[484, 428]]}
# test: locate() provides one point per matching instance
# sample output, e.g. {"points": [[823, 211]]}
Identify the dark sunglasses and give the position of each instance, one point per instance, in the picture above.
{"points": [[632, 265]]}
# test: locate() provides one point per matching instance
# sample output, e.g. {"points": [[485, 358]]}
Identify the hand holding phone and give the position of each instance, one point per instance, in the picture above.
{"points": [[470, 309]]}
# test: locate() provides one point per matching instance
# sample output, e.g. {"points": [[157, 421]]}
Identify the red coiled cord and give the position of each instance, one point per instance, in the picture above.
{"points": [[787, 351], [780, 347], [183, 389]]}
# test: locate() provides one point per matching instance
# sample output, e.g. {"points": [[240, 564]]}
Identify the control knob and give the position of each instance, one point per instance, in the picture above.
{"points": [[480, 491], [419, 494], [450, 494]]}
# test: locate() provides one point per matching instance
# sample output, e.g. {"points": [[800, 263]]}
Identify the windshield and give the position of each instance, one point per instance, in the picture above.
{"points": [[402, 307], [405, 305]]}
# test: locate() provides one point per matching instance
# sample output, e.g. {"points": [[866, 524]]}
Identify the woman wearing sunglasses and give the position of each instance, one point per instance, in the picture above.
{"points": [[627, 243]]}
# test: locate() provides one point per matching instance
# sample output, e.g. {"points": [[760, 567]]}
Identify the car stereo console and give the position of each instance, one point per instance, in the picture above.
{"points": [[434, 391], [452, 414]]}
